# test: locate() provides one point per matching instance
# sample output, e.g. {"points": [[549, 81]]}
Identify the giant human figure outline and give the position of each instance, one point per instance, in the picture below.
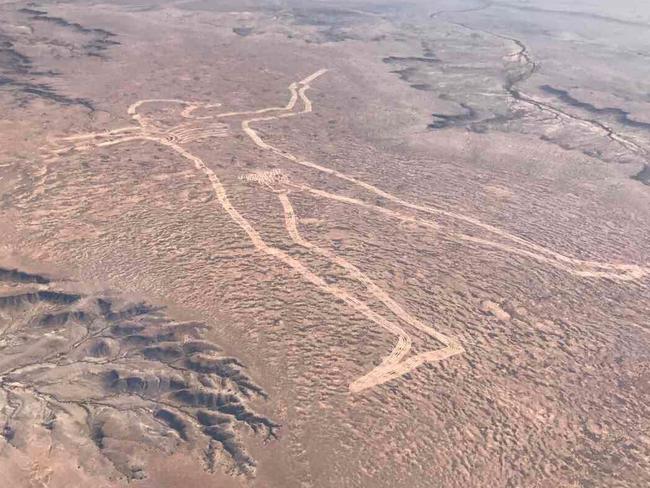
{"points": [[398, 362]]}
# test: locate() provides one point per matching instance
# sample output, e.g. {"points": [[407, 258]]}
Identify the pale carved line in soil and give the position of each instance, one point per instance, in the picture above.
{"points": [[397, 362]]}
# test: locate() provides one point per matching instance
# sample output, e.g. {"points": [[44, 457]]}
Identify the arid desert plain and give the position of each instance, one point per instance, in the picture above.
{"points": [[314, 244]]}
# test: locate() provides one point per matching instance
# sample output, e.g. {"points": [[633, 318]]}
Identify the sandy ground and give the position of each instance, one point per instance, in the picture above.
{"points": [[324, 245]]}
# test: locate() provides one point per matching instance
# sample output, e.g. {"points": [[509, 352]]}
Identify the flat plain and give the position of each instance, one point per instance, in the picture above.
{"points": [[325, 244]]}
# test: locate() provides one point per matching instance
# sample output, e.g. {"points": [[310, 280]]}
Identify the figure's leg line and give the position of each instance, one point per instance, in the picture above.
{"points": [[392, 366]]}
